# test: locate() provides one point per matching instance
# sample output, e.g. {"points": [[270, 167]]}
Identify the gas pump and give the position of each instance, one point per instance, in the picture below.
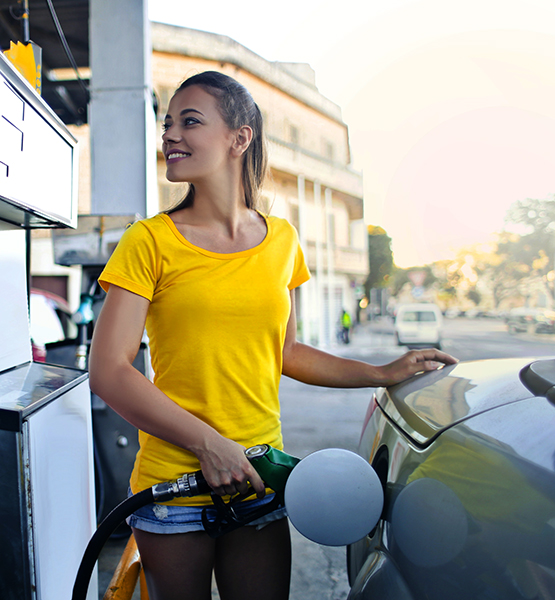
{"points": [[46, 452]]}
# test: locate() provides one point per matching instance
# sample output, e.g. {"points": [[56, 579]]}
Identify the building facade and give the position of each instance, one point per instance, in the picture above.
{"points": [[311, 183]]}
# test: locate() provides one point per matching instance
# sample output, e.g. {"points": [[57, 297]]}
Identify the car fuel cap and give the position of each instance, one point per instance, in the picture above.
{"points": [[333, 497]]}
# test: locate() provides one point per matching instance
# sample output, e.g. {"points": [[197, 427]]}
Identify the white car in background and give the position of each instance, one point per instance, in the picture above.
{"points": [[50, 321], [418, 324]]}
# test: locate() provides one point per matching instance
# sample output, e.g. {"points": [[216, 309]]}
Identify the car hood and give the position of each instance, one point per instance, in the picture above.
{"points": [[430, 403]]}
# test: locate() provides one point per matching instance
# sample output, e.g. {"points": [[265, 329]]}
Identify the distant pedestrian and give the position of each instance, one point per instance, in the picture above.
{"points": [[346, 324]]}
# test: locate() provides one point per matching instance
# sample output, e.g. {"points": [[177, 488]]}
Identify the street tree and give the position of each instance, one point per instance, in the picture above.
{"points": [[401, 277], [380, 258], [532, 251]]}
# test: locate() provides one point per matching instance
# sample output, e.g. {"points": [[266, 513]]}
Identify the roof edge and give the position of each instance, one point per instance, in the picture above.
{"points": [[213, 46]]}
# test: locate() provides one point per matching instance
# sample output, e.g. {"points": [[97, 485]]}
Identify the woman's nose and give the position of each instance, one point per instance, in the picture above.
{"points": [[171, 134]]}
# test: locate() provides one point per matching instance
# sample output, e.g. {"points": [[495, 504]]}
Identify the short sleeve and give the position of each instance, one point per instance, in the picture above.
{"points": [[132, 265], [301, 273]]}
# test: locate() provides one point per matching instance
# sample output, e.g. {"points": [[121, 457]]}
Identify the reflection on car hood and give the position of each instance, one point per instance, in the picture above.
{"points": [[429, 403]]}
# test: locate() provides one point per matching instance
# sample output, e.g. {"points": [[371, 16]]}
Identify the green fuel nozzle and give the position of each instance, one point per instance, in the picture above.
{"points": [[273, 466]]}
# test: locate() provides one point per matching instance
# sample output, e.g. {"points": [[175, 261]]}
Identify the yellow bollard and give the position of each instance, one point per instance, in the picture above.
{"points": [[128, 571]]}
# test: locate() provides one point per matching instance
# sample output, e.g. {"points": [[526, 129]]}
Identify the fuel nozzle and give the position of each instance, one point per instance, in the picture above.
{"points": [[273, 466], [189, 484]]}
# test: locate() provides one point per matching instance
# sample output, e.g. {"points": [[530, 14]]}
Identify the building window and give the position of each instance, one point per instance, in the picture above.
{"points": [[328, 150], [294, 134]]}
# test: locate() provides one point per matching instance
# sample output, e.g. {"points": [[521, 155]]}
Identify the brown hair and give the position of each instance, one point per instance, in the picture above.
{"points": [[237, 108]]}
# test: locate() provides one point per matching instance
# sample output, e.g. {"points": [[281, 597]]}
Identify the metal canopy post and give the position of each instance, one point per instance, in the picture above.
{"points": [[122, 117]]}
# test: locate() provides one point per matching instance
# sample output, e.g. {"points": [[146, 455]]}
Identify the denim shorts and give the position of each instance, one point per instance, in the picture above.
{"points": [[167, 518]]}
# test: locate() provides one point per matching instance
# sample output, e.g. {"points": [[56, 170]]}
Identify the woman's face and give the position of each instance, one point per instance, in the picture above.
{"points": [[196, 140]]}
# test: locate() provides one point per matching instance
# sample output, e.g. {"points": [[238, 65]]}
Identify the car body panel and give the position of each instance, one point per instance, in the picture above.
{"points": [[429, 403], [50, 322], [380, 574], [470, 513]]}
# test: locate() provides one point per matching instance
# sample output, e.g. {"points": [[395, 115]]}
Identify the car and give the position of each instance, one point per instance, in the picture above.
{"points": [[50, 321], [466, 459], [418, 324], [530, 320]]}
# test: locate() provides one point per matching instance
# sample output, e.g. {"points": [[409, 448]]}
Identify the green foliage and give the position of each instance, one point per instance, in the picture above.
{"points": [[380, 259], [538, 216], [538, 219], [400, 277], [532, 252], [474, 296], [506, 270]]}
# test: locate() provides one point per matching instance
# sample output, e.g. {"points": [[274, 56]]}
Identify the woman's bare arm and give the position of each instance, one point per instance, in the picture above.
{"points": [[310, 365]]}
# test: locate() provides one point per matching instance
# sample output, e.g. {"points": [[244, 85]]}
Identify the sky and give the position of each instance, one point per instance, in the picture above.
{"points": [[450, 105]]}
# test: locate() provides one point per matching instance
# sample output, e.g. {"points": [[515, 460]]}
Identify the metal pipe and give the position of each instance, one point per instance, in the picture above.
{"points": [[25, 34]]}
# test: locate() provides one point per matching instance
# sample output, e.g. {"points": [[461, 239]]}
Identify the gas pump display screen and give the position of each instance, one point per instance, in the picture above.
{"points": [[25, 389], [38, 157]]}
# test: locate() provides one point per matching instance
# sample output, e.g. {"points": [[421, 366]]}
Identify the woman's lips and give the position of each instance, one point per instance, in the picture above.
{"points": [[176, 155]]}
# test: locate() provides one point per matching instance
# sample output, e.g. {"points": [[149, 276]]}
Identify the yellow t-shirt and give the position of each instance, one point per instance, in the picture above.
{"points": [[216, 326]]}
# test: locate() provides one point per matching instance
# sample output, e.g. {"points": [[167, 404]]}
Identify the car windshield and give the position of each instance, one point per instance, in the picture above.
{"points": [[418, 315]]}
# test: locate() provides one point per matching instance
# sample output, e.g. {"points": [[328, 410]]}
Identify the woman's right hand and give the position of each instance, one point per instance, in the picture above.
{"points": [[227, 470]]}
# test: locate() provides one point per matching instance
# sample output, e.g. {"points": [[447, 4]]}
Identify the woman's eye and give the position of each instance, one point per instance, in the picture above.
{"points": [[185, 123]]}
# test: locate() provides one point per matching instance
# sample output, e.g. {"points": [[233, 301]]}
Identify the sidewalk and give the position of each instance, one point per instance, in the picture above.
{"points": [[370, 340]]}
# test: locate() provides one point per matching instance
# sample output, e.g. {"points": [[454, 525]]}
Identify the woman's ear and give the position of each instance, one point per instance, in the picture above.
{"points": [[243, 138]]}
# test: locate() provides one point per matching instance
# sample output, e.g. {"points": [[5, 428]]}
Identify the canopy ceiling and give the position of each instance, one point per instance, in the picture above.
{"points": [[67, 98]]}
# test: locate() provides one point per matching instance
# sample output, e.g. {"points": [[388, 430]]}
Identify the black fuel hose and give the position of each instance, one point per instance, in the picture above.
{"points": [[100, 537], [191, 484]]}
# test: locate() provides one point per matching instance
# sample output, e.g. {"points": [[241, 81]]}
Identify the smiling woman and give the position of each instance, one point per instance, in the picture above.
{"points": [[214, 281]]}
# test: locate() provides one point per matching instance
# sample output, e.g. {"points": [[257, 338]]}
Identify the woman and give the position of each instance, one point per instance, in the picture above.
{"points": [[214, 280]]}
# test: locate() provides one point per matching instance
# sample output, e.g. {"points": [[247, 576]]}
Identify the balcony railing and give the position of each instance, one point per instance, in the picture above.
{"points": [[294, 159], [348, 260]]}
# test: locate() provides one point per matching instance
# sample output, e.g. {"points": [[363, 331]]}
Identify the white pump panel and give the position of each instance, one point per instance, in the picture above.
{"points": [[38, 157]]}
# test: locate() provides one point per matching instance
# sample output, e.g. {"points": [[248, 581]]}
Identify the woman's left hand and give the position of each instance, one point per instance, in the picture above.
{"points": [[415, 361]]}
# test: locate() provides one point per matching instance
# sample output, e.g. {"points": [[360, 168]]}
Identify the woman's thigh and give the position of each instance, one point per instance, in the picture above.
{"points": [[253, 563], [177, 566], [246, 562]]}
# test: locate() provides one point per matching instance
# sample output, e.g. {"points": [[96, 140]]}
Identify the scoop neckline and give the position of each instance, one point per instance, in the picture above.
{"points": [[223, 256]]}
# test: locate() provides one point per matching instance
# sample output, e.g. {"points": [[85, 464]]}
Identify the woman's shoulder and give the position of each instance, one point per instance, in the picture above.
{"points": [[281, 226], [149, 226]]}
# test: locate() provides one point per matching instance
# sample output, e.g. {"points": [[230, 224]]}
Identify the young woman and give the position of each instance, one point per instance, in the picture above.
{"points": [[213, 280]]}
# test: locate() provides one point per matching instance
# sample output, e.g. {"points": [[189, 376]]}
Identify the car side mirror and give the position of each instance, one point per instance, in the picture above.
{"points": [[539, 378]]}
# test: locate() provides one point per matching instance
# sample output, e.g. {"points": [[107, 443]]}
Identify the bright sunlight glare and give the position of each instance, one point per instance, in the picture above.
{"points": [[450, 106]]}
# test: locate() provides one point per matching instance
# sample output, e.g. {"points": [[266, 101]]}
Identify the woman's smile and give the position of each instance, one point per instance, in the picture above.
{"points": [[176, 155]]}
